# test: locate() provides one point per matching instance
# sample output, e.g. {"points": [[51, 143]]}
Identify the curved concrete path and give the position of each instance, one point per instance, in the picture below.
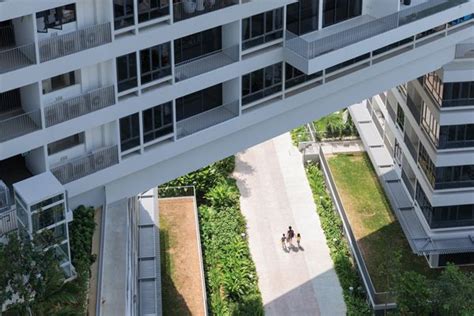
{"points": [[275, 194]]}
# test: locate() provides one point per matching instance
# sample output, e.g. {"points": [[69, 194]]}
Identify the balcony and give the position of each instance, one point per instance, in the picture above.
{"points": [[14, 56], [186, 9], [70, 43], [202, 64], [80, 167], [89, 102], [207, 119], [303, 49], [17, 123]]}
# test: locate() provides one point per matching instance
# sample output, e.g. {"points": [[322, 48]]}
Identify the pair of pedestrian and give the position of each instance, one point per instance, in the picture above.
{"points": [[288, 238]]}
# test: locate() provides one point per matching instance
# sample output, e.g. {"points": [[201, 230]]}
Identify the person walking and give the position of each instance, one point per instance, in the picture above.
{"points": [[291, 235], [298, 239], [283, 242]]}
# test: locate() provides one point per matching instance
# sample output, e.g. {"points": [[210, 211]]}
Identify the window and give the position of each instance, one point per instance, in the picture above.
{"points": [[197, 45], [157, 122], [155, 63], [123, 13], [400, 117], [47, 202], [127, 72], [458, 94], [430, 124], [456, 136], [152, 9], [426, 165], [261, 83], [335, 11], [65, 143], [129, 132], [454, 177], [262, 28], [48, 217], [294, 77], [302, 17], [444, 216], [60, 82], [434, 85], [199, 102], [55, 18]]}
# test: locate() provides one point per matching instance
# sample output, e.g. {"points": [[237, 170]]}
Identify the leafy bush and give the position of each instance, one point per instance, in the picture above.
{"points": [[231, 278], [331, 224]]}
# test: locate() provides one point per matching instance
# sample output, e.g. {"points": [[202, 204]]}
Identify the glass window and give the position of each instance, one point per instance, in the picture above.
{"points": [[302, 16], [152, 9], [262, 28], [47, 202], [65, 143], [155, 63], [335, 11], [197, 45], [157, 122], [294, 77], [129, 132], [55, 18], [198, 102], [60, 82], [48, 217], [123, 13], [261, 83], [127, 72], [400, 117]]}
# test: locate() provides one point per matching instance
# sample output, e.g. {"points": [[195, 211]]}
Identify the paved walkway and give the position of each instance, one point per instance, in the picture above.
{"points": [[275, 194]]}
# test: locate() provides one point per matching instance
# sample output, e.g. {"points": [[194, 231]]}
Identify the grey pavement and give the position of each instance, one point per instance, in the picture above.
{"points": [[275, 194]]}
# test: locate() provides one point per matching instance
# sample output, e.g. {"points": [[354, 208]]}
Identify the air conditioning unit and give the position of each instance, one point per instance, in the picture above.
{"points": [[4, 197]]}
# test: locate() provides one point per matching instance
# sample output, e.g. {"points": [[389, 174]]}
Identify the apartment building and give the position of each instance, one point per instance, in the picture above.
{"points": [[108, 98]]}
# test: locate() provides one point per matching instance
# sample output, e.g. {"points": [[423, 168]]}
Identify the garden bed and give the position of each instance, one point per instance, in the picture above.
{"points": [[181, 277], [376, 230]]}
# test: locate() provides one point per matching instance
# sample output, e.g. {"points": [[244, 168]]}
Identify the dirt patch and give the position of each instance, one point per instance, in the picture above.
{"points": [[180, 263]]}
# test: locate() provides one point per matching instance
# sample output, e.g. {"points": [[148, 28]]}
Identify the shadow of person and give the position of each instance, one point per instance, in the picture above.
{"points": [[294, 248], [300, 248]]}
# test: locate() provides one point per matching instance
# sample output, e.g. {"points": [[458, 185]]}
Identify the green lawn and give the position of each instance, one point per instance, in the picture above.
{"points": [[375, 227]]}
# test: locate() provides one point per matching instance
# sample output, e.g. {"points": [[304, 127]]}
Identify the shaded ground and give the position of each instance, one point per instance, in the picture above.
{"points": [[375, 227], [180, 263], [92, 295]]}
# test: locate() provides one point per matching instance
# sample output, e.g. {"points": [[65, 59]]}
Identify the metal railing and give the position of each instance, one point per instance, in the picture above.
{"points": [[70, 43], [17, 57], [312, 49], [190, 8], [202, 64], [8, 221], [83, 166], [20, 125], [378, 299], [207, 119], [74, 107]]}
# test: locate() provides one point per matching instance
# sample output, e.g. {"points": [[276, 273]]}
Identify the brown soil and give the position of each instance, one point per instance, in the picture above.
{"points": [[182, 282]]}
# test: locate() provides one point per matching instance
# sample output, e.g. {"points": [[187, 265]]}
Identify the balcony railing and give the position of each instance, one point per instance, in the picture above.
{"points": [[186, 9], [83, 166], [66, 44], [206, 63], [20, 125], [207, 119], [8, 221], [312, 49], [89, 102], [17, 57]]}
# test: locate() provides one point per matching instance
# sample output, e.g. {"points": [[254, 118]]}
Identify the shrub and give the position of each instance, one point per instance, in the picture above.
{"points": [[231, 278], [339, 250]]}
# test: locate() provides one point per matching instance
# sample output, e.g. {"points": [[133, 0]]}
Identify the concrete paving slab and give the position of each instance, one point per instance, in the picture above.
{"points": [[274, 195]]}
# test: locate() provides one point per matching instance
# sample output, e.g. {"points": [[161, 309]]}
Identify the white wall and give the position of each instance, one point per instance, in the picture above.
{"points": [[24, 31], [35, 162], [30, 97], [379, 8]]}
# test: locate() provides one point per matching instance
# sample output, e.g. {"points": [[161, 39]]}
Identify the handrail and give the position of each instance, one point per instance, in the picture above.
{"points": [[20, 125], [312, 49], [17, 57]]}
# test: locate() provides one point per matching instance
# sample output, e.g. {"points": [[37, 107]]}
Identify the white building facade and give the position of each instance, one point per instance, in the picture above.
{"points": [[114, 97]]}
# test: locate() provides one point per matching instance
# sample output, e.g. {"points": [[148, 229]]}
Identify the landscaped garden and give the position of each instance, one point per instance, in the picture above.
{"points": [[231, 279], [377, 231]]}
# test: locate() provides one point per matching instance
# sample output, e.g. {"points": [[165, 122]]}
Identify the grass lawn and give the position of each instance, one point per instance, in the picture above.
{"points": [[180, 266], [321, 124], [375, 227]]}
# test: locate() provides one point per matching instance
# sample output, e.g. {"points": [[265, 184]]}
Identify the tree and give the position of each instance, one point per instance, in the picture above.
{"points": [[414, 294], [29, 276], [454, 292]]}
